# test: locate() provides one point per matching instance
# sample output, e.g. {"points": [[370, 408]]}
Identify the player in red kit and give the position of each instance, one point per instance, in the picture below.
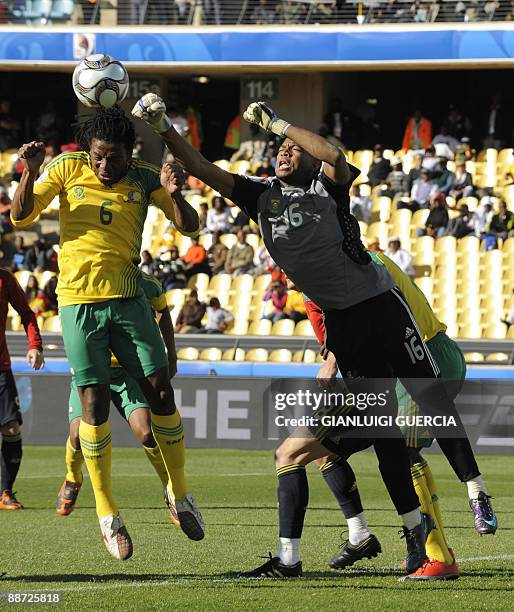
{"points": [[10, 415]]}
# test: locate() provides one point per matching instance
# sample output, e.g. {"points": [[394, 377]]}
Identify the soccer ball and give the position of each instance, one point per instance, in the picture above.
{"points": [[100, 80]]}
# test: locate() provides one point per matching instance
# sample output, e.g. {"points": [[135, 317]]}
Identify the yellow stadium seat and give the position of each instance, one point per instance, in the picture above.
{"points": [[240, 167], [182, 243], [206, 241], [306, 356], [280, 356], [175, 297], [304, 328], [45, 277], [257, 354], [236, 354], [362, 159], [474, 357], [53, 324], [284, 327], [261, 283], [470, 317], [381, 231], [473, 331], [423, 259], [189, 353], [220, 283], [239, 328], [453, 328], [242, 284], [401, 217], [419, 218], [496, 331], [505, 157], [211, 354], [228, 240], [200, 282], [262, 327], [445, 245], [468, 244], [223, 164], [363, 227], [423, 244], [381, 209], [22, 276], [253, 240], [499, 357], [508, 246]]}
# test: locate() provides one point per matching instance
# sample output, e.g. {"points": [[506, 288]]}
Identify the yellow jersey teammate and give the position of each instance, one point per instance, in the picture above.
{"points": [[104, 196]]}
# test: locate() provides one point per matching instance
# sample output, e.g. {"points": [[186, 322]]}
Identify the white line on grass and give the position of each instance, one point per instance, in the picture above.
{"points": [[206, 579]]}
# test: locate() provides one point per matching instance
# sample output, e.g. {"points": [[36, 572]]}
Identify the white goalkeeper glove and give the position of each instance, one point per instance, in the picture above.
{"points": [[152, 110], [263, 116]]}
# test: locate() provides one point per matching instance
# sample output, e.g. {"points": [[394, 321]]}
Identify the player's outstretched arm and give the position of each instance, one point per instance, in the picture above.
{"points": [[151, 109], [334, 161], [32, 154], [185, 216]]}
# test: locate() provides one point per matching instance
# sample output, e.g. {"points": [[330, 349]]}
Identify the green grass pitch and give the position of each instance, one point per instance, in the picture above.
{"points": [[236, 492]]}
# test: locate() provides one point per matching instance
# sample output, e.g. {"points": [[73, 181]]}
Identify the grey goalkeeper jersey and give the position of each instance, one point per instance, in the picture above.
{"points": [[310, 233]]}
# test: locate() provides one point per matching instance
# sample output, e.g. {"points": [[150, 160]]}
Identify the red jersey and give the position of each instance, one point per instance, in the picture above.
{"points": [[12, 293]]}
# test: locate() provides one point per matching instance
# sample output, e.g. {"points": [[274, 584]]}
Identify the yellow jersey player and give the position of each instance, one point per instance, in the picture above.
{"points": [[104, 196]]}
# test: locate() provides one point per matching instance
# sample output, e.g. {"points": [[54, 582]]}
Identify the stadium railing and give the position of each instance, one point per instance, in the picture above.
{"points": [[243, 12]]}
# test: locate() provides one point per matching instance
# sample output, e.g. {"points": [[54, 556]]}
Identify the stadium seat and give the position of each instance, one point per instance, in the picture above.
{"points": [[306, 356], [401, 217], [304, 328], [381, 209], [468, 244], [423, 244], [498, 357], [472, 331], [508, 246], [189, 353], [253, 240], [262, 327], [445, 245], [496, 331], [223, 164], [228, 240], [240, 328], [22, 276], [182, 243], [240, 167], [419, 218], [242, 284], [16, 323], [381, 231], [206, 241], [452, 328], [280, 356], [175, 297], [211, 354], [261, 283], [232, 354], [53, 324], [284, 327], [219, 284], [474, 357], [257, 354]]}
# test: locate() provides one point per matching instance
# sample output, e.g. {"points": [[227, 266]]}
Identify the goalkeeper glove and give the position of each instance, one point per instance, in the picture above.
{"points": [[152, 109], [263, 116]]}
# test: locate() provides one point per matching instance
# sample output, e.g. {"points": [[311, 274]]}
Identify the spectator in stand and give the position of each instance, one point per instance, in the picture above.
{"points": [[278, 275], [401, 257], [374, 245], [148, 265], [218, 319], [444, 137], [253, 149], [262, 262], [217, 254], [277, 294], [195, 259], [263, 14], [483, 217], [179, 121], [218, 217], [50, 290], [462, 182], [171, 271], [265, 170], [502, 224], [442, 177], [40, 256], [240, 256], [463, 225], [189, 320], [415, 171], [497, 129], [31, 289], [241, 222], [5, 210], [465, 152], [396, 180], [360, 205], [438, 218], [459, 126], [295, 304], [418, 133], [380, 167], [430, 160], [422, 191], [202, 217], [20, 253]]}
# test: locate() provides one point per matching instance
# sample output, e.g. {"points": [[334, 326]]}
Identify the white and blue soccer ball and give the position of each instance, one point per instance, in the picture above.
{"points": [[100, 80]]}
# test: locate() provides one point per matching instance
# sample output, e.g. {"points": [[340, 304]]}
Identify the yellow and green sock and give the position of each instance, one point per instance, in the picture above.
{"points": [[97, 451], [169, 435], [155, 458], [74, 463]]}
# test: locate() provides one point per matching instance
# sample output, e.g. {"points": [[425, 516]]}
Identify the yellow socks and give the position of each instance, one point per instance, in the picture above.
{"points": [[169, 435], [437, 547], [74, 463], [425, 468], [155, 458], [97, 450]]}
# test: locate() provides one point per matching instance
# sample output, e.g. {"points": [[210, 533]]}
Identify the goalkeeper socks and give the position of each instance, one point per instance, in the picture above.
{"points": [[97, 450], [10, 459], [293, 497], [411, 519], [436, 545], [340, 479], [475, 486], [169, 435], [289, 551], [358, 529], [429, 478], [155, 458], [74, 463]]}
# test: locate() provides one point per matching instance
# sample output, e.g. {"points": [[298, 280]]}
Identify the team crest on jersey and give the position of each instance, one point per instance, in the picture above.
{"points": [[79, 193], [133, 196], [275, 206]]}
